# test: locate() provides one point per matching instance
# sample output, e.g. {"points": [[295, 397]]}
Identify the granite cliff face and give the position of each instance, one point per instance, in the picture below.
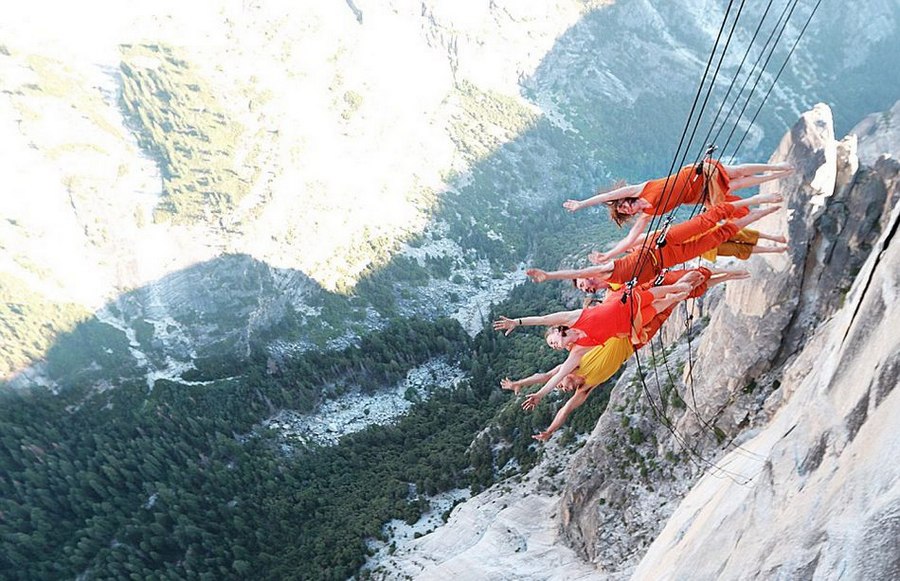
{"points": [[836, 212], [793, 378], [824, 500]]}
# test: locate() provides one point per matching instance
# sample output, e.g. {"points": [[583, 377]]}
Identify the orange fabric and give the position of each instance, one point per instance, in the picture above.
{"points": [[740, 246], [719, 184], [613, 318], [683, 242], [655, 324], [686, 187]]}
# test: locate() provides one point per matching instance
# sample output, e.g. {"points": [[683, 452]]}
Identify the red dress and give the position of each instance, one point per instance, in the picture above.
{"points": [[684, 242], [613, 318], [686, 187]]}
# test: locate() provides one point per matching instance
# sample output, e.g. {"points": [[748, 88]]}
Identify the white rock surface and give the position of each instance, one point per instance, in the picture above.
{"points": [[825, 501]]}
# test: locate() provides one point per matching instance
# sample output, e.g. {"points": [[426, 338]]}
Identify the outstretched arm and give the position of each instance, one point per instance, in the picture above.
{"points": [[515, 385], [637, 229], [561, 318], [563, 370], [578, 398], [538, 275], [616, 194]]}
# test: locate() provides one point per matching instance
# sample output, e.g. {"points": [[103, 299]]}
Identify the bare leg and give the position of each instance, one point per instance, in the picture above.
{"points": [[767, 249], [757, 199], [748, 169], [720, 276], [676, 292], [754, 216], [754, 180], [772, 237], [661, 292]]}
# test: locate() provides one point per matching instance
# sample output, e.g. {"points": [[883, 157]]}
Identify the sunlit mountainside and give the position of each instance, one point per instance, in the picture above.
{"points": [[143, 141], [248, 250]]}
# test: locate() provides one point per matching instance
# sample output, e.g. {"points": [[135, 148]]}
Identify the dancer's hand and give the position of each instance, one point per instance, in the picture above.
{"points": [[510, 385], [572, 205], [531, 402], [536, 274], [543, 436], [597, 257], [505, 324]]}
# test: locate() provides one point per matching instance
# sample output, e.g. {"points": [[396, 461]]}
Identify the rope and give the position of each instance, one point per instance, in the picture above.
{"points": [[790, 12], [778, 75]]}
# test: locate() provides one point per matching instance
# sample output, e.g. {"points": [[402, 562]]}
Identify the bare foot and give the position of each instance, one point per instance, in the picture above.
{"points": [[770, 198]]}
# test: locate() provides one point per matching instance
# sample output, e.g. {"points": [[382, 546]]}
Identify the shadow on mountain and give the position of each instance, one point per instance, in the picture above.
{"points": [[167, 483], [621, 81]]}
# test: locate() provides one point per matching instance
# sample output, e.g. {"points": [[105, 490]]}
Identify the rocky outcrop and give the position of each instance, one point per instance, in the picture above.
{"points": [[878, 133], [823, 501], [833, 216], [633, 470], [807, 346]]}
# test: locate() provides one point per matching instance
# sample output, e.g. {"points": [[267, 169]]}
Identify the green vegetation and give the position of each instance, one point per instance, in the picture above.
{"points": [[177, 483], [207, 159], [120, 483], [486, 121], [29, 323], [57, 81]]}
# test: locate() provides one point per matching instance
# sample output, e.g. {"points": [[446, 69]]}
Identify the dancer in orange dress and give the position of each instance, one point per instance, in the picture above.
{"points": [[684, 242], [600, 363], [709, 183], [611, 354], [582, 329]]}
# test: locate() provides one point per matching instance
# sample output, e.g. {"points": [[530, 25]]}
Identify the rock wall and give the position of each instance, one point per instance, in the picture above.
{"points": [[824, 499], [629, 476]]}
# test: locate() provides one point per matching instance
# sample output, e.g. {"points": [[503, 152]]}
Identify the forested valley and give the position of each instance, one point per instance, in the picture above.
{"points": [[112, 480]]}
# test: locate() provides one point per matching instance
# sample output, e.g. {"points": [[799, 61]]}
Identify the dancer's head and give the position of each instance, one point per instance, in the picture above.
{"points": [[590, 284], [560, 337], [621, 210]]}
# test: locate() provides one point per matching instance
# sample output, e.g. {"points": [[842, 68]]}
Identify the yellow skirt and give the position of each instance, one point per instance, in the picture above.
{"points": [[602, 362]]}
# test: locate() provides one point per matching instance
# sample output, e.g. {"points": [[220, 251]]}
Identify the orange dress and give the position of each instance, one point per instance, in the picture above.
{"points": [[684, 242], [601, 363], [613, 318], [686, 187], [653, 325]]}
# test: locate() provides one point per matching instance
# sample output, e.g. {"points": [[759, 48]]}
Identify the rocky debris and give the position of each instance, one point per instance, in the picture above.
{"points": [[508, 531], [399, 533], [355, 411]]}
